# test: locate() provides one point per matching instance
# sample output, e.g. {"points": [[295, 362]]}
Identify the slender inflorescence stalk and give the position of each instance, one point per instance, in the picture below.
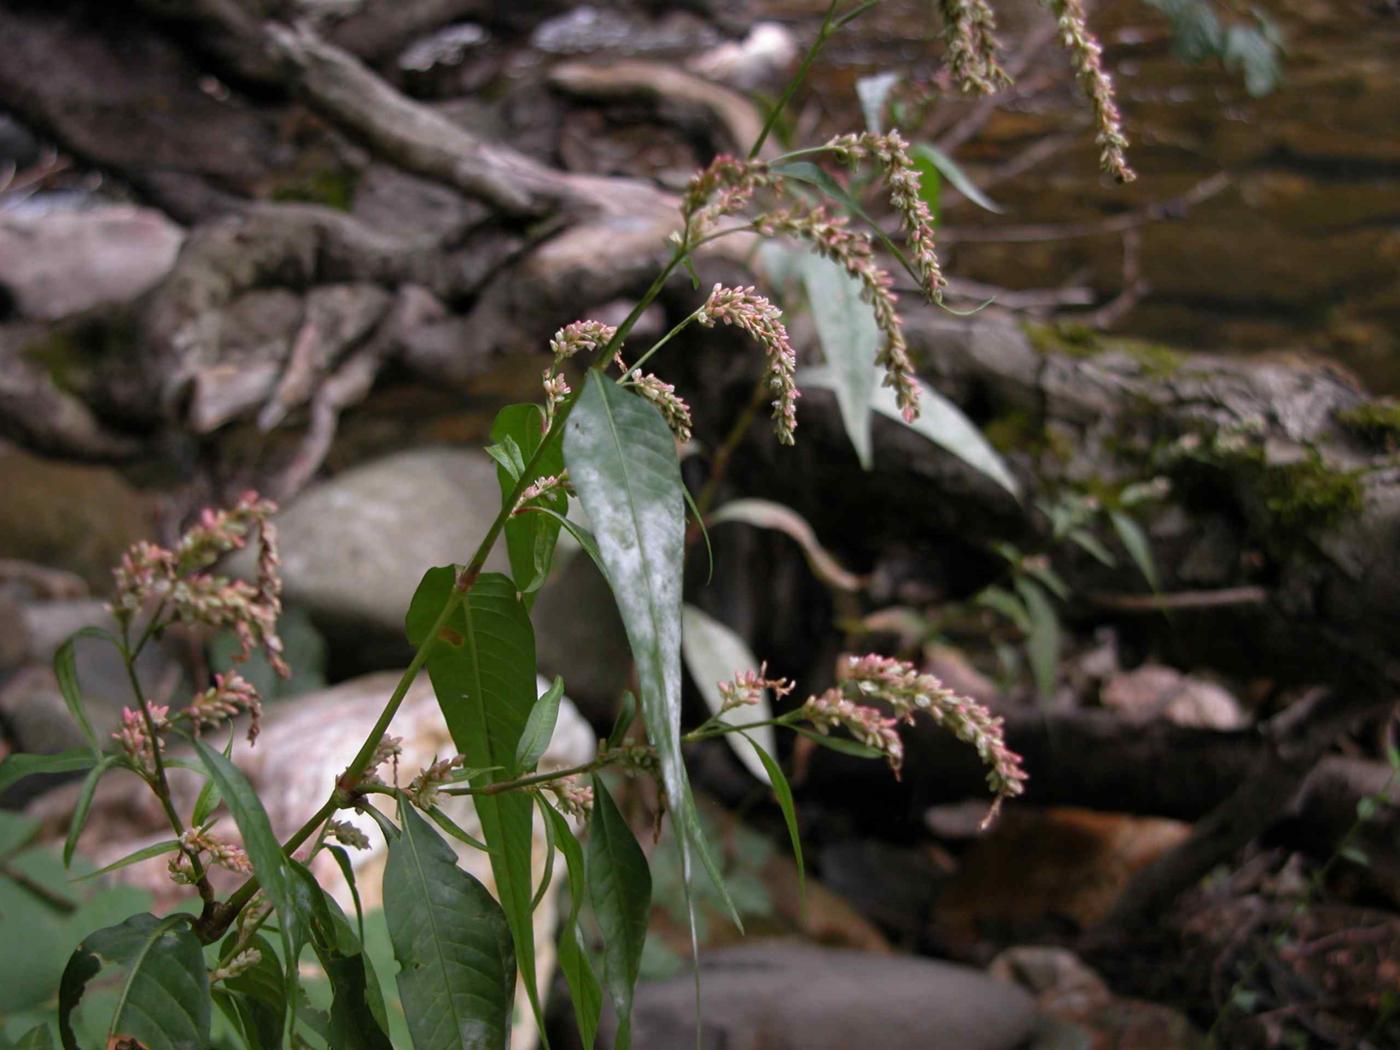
{"points": [[754, 315], [1086, 55], [969, 30], [832, 238]]}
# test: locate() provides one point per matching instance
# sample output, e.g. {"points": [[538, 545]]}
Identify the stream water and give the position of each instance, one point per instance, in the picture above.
{"points": [[1299, 252]]}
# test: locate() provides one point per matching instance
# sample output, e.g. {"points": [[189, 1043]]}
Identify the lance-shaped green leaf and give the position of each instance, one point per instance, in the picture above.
{"points": [[782, 791], [163, 1000], [270, 864], [584, 990], [65, 669], [530, 538], [539, 727], [622, 461], [1043, 639], [714, 654], [83, 806], [457, 967], [19, 766], [1138, 546], [619, 885], [156, 849], [483, 672], [953, 172]]}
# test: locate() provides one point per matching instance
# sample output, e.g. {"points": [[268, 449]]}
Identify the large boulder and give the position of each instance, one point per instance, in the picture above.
{"points": [[355, 546], [787, 996]]}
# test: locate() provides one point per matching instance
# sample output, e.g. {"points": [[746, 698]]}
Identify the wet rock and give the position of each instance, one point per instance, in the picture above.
{"points": [[1153, 691], [1042, 872], [587, 29], [354, 548], [760, 60], [59, 264], [785, 996], [893, 886], [1082, 1011]]}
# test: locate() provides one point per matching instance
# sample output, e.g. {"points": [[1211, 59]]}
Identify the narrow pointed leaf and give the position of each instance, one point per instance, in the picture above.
{"points": [[19, 766], [622, 460], [83, 806], [530, 538], [582, 535], [163, 999], [1136, 543], [539, 727], [258, 994], [953, 172], [450, 937], [584, 990], [782, 791], [1002, 601], [619, 884], [1087, 541], [452, 828], [845, 745], [146, 853], [357, 1020], [65, 669], [714, 654], [1043, 641], [347, 871], [264, 850], [626, 715], [483, 672]]}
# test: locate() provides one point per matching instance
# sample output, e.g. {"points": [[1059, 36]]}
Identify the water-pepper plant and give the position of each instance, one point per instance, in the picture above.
{"points": [[604, 437]]}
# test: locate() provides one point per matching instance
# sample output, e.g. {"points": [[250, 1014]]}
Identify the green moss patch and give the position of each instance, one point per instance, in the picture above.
{"points": [[1079, 340], [1376, 422]]}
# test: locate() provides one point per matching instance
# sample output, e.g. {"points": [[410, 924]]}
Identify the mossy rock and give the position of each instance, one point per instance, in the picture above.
{"points": [[1310, 495], [1376, 422], [1079, 340], [69, 516], [330, 187]]}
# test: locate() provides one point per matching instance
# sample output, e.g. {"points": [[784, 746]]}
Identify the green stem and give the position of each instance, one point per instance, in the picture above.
{"points": [[534, 779], [828, 26], [160, 784], [712, 728]]}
